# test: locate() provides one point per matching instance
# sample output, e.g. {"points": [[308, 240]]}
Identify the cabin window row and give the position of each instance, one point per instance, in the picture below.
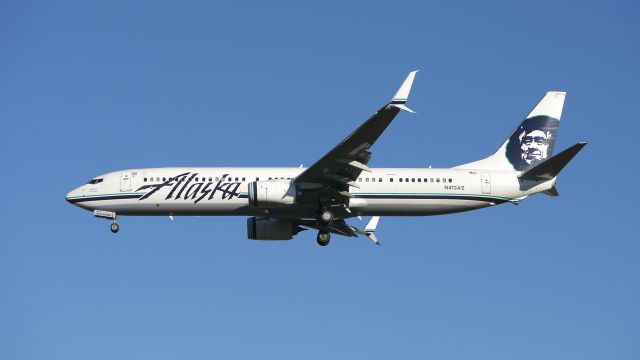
{"points": [[243, 179], [217, 178], [437, 180]]}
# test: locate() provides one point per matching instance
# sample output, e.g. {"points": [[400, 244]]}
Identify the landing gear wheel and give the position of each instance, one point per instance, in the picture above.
{"points": [[326, 216], [323, 238], [115, 227]]}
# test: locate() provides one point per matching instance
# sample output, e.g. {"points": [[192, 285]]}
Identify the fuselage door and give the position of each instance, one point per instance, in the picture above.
{"points": [[125, 181], [486, 183]]}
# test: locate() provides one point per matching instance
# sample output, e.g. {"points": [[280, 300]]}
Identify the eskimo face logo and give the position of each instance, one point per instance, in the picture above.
{"points": [[534, 146], [532, 142]]}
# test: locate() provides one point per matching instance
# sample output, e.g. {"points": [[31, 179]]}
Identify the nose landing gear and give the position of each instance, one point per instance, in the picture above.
{"points": [[108, 215]]}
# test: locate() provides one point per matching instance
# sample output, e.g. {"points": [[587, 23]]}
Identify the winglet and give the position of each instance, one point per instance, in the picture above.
{"points": [[370, 229], [552, 192], [400, 99]]}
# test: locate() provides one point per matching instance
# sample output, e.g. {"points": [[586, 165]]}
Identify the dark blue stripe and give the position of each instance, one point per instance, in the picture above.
{"points": [[433, 197], [98, 198]]}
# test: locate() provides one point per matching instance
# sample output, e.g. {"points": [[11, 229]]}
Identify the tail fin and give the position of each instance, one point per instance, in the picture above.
{"points": [[533, 140]]}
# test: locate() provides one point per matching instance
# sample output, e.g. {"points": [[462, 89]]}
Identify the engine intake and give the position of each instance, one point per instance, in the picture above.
{"points": [[271, 229], [271, 193]]}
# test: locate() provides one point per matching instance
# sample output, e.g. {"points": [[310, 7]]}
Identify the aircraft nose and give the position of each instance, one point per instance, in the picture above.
{"points": [[73, 194], [68, 197]]}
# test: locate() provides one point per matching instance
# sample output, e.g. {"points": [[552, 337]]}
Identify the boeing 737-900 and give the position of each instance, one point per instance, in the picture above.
{"points": [[280, 202]]}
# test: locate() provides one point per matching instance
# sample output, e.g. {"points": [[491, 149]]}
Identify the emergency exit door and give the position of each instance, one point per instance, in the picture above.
{"points": [[125, 181], [486, 183]]}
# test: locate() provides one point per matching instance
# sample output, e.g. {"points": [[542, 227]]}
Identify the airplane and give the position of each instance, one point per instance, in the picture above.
{"points": [[280, 202]]}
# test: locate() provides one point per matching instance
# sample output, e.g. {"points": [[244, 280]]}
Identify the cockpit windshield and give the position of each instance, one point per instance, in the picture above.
{"points": [[95, 181]]}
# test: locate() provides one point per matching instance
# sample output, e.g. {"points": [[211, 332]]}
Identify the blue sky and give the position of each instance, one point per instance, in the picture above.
{"points": [[92, 87]]}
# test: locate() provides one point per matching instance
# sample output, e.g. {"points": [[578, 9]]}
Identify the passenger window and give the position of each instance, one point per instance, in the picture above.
{"points": [[145, 179], [367, 179], [270, 179], [380, 180], [450, 180], [390, 179], [209, 179], [373, 179], [217, 178], [243, 179], [431, 180], [157, 179], [437, 179], [406, 179], [413, 179], [359, 179], [419, 180], [257, 179]]}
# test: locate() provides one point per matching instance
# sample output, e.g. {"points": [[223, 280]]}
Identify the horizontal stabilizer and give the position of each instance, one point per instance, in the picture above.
{"points": [[551, 167]]}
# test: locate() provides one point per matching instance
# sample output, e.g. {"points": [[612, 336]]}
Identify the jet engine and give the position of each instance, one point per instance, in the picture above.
{"points": [[271, 229], [271, 193]]}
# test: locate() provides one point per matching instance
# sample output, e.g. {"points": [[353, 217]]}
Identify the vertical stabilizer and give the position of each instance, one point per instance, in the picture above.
{"points": [[533, 140]]}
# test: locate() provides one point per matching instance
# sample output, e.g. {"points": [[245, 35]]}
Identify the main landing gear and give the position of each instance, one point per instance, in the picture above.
{"points": [[115, 227], [323, 238], [326, 216]]}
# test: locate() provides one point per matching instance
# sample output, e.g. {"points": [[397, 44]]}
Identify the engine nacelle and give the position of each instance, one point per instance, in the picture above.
{"points": [[271, 193], [271, 229]]}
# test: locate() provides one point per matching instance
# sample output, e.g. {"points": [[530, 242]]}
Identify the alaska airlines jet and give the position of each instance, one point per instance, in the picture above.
{"points": [[281, 202]]}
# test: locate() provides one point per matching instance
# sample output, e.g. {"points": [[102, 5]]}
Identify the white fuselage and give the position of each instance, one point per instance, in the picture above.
{"points": [[223, 191]]}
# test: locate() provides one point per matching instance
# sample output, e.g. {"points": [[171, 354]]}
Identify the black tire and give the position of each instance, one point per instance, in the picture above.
{"points": [[326, 216], [323, 238], [114, 228]]}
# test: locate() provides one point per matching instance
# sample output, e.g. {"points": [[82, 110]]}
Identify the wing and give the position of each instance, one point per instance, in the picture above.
{"points": [[338, 169]]}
